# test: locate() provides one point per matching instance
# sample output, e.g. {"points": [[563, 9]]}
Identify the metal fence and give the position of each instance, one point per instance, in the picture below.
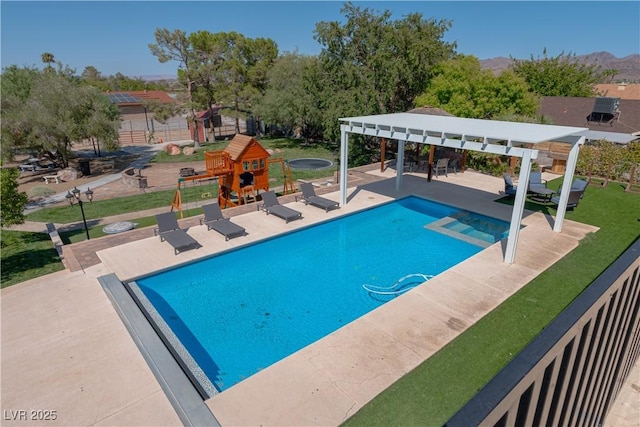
{"points": [[571, 373]]}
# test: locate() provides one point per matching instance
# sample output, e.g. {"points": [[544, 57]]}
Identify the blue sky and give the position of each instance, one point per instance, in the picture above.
{"points": [[114, 36]]}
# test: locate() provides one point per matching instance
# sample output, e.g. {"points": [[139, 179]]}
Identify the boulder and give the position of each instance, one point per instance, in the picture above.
{"points": [[187, 151], [68, 174], [169, 148]]}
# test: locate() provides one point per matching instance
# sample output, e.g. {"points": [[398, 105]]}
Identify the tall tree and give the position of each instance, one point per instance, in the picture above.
{"points": [[288, 102], [464, 89], [48, 58], [371, 64], [58, 110], [16, 84], [175, 46], [241, 77], [103, 121], [90, 73], [562, 75], [208, 49]]}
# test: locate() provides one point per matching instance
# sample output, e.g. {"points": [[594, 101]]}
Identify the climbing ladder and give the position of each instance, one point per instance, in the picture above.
{"points": [[177, 199]]}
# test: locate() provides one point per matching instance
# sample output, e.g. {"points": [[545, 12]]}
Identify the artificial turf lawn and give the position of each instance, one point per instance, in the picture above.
{"points": [[434, 391]]}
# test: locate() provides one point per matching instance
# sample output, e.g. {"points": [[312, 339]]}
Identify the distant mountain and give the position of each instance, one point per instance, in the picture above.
{"points": [[628, 67], [158, 77]]}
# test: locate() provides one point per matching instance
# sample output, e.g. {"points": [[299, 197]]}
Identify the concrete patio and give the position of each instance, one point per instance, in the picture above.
{"points": [[65, 348]]}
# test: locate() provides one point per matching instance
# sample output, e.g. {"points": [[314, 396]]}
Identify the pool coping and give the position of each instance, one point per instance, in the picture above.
{"points": [[192, 369], [178, 387]]}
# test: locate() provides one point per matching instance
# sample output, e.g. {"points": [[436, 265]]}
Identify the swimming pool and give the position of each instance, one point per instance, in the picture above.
{"points": [[229, 316]]}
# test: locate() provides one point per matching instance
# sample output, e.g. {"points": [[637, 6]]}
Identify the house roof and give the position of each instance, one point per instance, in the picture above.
{"points": [[622, 91], [137, 97], [573, 111], [204, 114]]}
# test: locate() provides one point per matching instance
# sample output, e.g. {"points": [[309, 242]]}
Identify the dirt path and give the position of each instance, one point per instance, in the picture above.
{"points": [[160, 176]]}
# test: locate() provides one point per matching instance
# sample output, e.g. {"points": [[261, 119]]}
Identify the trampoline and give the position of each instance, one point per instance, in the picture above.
{"points": [[310, 164]]}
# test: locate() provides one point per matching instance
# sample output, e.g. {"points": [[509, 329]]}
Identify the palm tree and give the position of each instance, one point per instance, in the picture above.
{"points": [[48, 58]]}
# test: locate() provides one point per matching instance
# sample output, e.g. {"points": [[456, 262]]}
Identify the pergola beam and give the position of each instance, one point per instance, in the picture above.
{"points": [[443, 140]]}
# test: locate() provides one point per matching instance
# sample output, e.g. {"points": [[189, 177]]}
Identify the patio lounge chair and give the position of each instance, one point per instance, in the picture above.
{"points": [[577, 185], [169, 230], [271, 206], [509, 188], [214, 219], [309, 197], [572, 202], [536, 182], [442, 165]]}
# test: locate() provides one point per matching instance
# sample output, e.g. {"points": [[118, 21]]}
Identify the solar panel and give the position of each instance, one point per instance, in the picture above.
{"points": [[120, 98], [606, 105]]}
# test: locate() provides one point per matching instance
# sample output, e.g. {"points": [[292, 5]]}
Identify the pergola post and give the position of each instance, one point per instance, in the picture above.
{"points": [[344, 160], [572, 160], [400, 164], [432, 155], [518, 207]]}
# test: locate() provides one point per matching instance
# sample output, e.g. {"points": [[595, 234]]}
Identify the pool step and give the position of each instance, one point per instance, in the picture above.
{"points": [[457, 231]]}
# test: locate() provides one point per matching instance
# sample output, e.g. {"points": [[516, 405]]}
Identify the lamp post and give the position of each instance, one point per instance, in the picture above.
{"points": [[76, 197]]}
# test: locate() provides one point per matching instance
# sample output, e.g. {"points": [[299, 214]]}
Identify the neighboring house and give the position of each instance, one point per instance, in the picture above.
{"points": [[574, 111], [582, 112], [132, 103], [622, 90], [137, 125]]}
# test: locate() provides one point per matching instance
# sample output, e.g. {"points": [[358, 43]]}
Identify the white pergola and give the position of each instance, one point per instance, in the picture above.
{"points": [[615, 137], [487, 136]]}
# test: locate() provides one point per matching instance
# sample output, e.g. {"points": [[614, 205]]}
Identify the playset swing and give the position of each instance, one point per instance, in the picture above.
{"points": [[241, 169]]}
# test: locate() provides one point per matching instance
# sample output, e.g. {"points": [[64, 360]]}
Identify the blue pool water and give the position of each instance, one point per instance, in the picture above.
{"points": [[241, 311]]}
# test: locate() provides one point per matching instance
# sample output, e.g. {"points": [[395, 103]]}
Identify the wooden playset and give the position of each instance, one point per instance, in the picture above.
{"points": [[242, 169]]}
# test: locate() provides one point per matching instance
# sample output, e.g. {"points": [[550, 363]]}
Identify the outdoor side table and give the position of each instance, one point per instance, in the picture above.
{"points": [[542, 195]]}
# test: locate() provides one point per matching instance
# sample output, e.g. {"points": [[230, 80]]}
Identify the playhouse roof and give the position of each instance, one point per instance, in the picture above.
{"points": [[240, 143]]}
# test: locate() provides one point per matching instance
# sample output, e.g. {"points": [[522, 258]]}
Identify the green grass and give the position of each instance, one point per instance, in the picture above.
{"points": [[75, 236], [440, 386], [25, 256], [102, 208], [286, 148]]}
